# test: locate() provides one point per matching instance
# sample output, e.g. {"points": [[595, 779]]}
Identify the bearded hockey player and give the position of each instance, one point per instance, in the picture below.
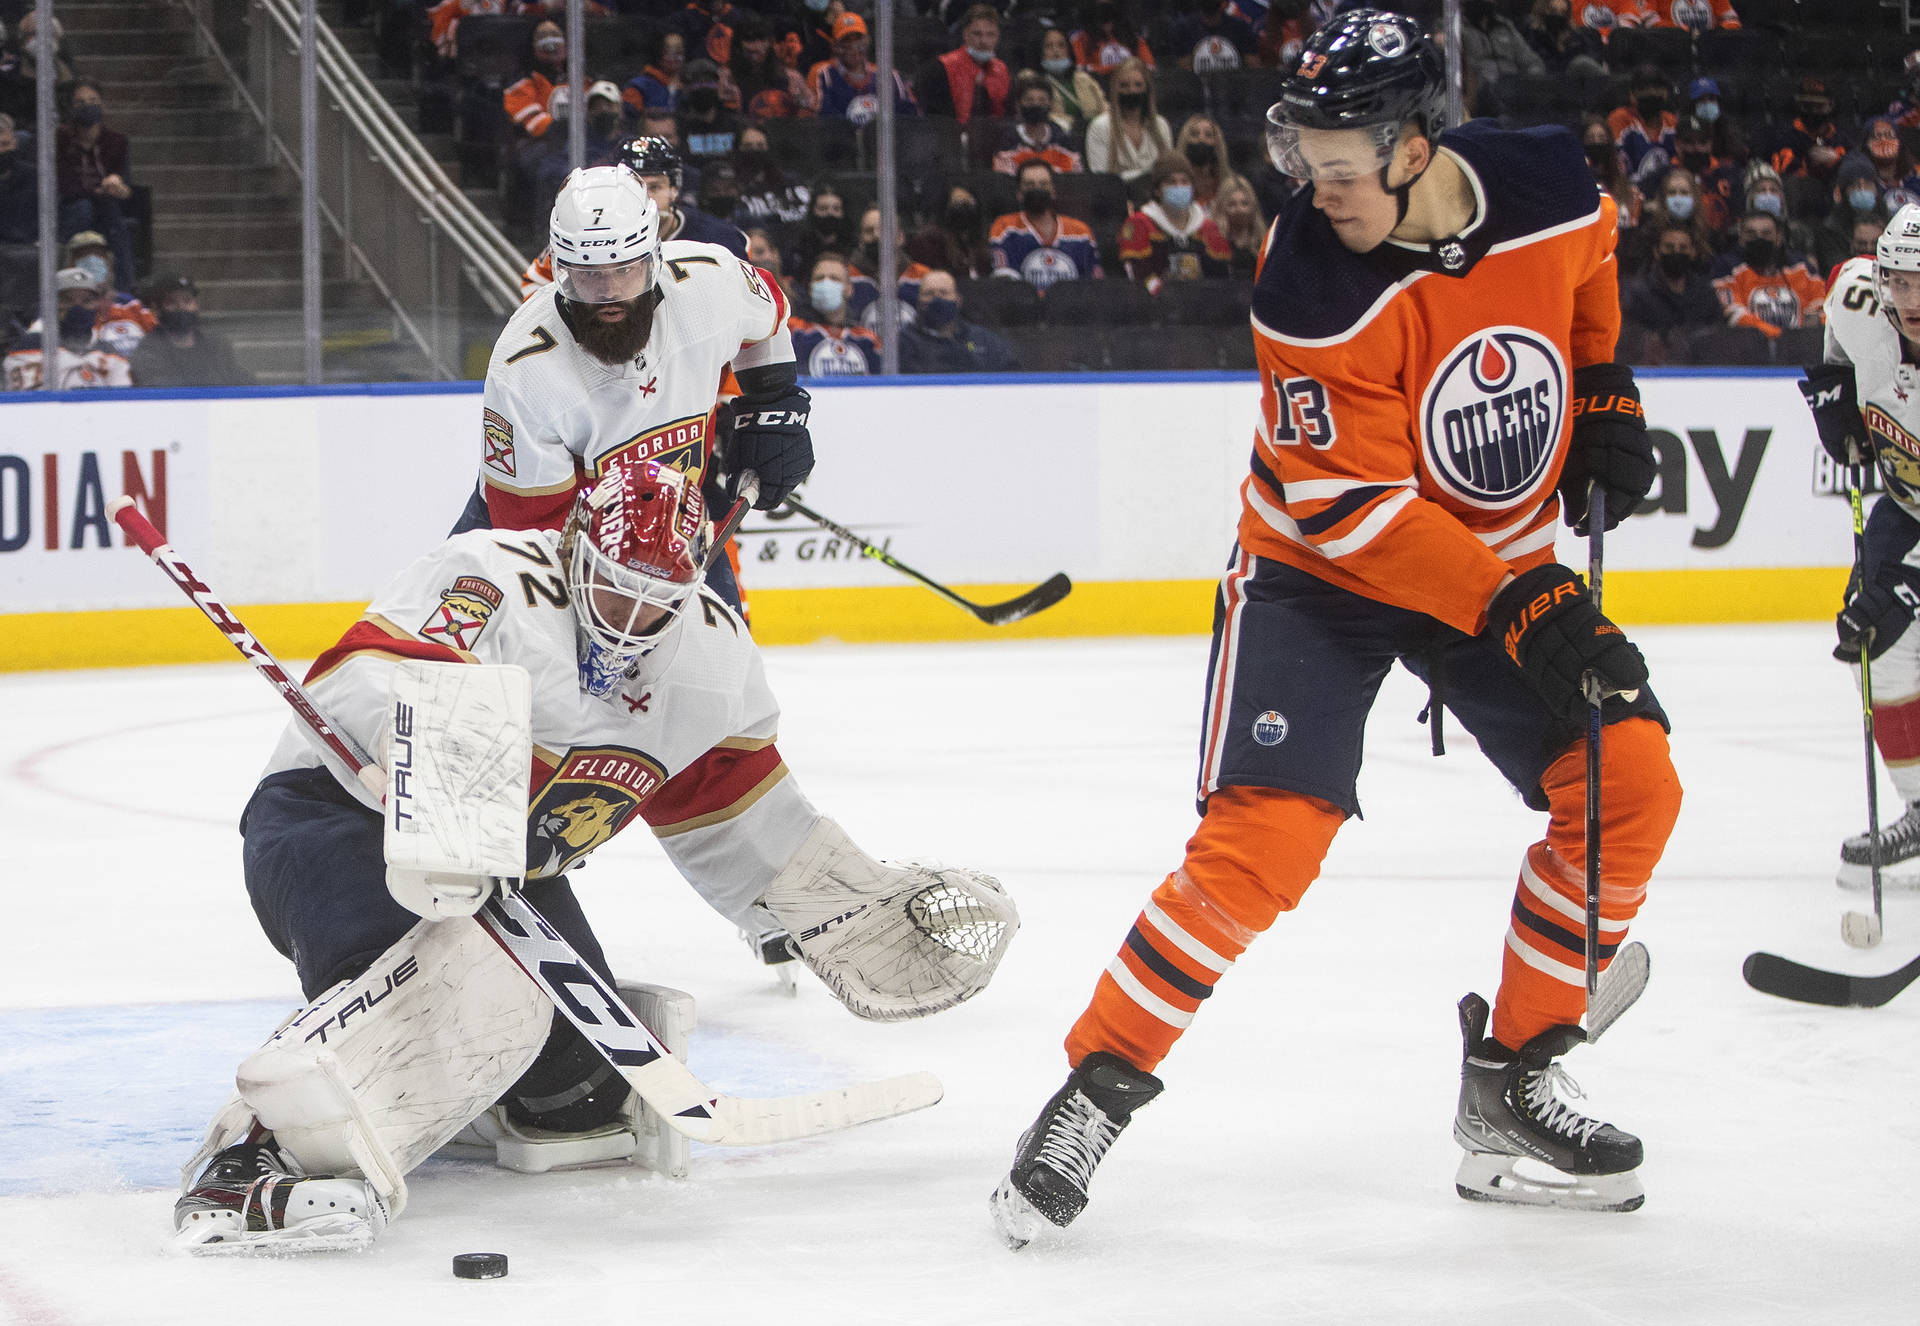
{"points": [[649, 704], [1434, 314], [1863, 407]]}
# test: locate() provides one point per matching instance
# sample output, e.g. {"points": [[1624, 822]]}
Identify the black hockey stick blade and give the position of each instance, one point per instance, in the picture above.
{"points": [[1025, 605], [1772, 974]]}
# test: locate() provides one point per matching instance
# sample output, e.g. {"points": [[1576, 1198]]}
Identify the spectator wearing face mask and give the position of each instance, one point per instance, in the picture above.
{"points": [[1494, 49], [940, 341], [1892, 165], [1857, 200], [827, 229], [1237, 213], [1562, 47], [1077, 98], [1609, 170], [93, 169], [1132, 135], [20, 68], [767, 197], [1038, 244], [1647, 124], [182, 353], [826, 341], [1171, 238], [846, 86], [80, 361], [605, 136], [956, 241], [1765, 192], [970, 80], [1811, 144], [1673, 298], [19, 189], [707, 128], [768, 89], [121, 321], [1769, 289], [1719, 178], [1678, 200], [525, 101], [1035, 137], [1695, 16], [865, 270], [1204, 148]]}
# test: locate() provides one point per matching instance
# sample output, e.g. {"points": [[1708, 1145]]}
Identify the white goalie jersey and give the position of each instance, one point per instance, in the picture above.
{"points": [[686, 744], [1888, 387], [553, 414]]}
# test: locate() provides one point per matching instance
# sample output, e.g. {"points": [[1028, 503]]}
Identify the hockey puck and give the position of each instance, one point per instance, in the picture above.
{"points": [[480, 1266]]}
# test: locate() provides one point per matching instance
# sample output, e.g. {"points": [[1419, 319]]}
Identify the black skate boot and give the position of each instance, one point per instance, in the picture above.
{"points": [[1899, 855], [253, 1193], [1510, 1112], [1057, 1156]]}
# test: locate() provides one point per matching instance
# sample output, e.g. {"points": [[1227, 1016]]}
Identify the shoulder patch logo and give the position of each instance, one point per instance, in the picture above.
{"points": [[496, 436], [1491, 417], [463, 613]]}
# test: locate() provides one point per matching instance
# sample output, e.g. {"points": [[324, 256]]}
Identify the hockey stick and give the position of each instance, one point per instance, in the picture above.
{"points": [[1769, 973], [656, 1076], [749, 494], [1596, 704], [1860, 929], [1041, 596]]}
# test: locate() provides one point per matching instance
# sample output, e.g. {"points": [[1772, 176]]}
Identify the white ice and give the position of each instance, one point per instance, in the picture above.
{"points": [[1299, 1166]]}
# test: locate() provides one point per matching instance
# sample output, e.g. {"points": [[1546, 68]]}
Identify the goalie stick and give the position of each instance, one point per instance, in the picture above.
{"points": [[1041, 596], [667, 1085], [1769, 973]]}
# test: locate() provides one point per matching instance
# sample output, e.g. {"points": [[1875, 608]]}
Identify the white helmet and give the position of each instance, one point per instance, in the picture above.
{"points": [[605, 236], [1898, 250]]}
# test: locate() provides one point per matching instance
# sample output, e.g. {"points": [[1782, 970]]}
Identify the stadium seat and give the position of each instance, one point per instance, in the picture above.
{"points": [[1800, 345], [1108, 303], [1178, 93], [922, 145], [1045, 350], [1099, 200], [1669, 49], [999, 301], [1204, 303], [1727, 345]]}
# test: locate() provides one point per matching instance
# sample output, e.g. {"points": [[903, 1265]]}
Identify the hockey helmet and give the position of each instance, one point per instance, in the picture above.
{"points": [[605, 236], [652, 156], [1365, 69], [1898, 250], [635, 546]]}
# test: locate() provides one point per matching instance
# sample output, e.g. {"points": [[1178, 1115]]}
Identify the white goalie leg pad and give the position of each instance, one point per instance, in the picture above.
{"points": [[457, 761], [373, 1076], [891, 941], [641, 1136]]}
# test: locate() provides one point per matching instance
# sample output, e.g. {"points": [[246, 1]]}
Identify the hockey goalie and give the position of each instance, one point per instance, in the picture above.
{"points": [[594, 658]]}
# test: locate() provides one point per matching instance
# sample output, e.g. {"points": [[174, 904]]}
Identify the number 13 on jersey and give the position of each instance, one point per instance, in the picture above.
{"points": [[1300, 411]]}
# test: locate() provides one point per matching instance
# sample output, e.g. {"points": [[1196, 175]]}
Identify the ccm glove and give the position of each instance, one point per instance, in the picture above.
{"points": [[1546, 622], [1610, 445], [1875, 616], [770, 438], [1831, 397]]}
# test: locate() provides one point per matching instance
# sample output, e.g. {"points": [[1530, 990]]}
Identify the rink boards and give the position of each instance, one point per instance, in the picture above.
{"points": [[297, 504]]}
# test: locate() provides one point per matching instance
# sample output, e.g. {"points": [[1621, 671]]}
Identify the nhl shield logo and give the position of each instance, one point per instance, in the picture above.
{"points": [[1491, 416], [1453, 255], [1270, 729]]}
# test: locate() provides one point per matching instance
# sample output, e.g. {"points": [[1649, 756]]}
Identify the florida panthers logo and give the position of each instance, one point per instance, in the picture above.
{"points": [[1898, 452], [1491, 417]]}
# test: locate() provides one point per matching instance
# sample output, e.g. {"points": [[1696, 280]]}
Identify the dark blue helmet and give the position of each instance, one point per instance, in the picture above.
{"points": [[652, 156], [1366, 69]]}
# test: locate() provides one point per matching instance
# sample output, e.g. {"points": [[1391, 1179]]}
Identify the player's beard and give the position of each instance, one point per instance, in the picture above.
{"points": [[615, 342]]}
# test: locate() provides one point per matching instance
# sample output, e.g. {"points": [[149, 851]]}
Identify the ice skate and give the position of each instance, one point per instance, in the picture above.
{"points": [[253, 1196], [1899, 855], [1057, 1156], [1525, 1144]]}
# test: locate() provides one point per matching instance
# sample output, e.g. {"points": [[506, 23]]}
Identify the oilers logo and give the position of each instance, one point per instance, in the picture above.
{"points": [[1270, 729], [1775, 305], [1595, 16], [1387, 39], [1492, 415], [1693, 15], [834, 358], [1043, 267]]}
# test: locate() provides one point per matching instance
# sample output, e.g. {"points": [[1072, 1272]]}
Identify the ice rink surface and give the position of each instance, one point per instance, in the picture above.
{"points": [[1298, 1168]]}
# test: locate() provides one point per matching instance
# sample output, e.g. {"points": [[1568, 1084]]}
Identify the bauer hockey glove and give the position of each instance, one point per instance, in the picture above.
{"points": [[1875, 615], [1546, 622], [770, 438], [1610, 445], [1831, 398]]}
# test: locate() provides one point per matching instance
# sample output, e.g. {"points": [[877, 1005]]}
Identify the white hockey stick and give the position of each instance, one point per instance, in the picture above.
{"points": [[667, 1085]]}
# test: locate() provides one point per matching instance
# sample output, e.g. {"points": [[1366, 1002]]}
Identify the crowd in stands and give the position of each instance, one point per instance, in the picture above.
{"points": [[107, 335], [1119, 146]]}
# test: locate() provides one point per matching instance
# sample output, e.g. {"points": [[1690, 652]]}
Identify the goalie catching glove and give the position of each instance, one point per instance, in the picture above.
{"points": [[1610, 445], [891, 941]]}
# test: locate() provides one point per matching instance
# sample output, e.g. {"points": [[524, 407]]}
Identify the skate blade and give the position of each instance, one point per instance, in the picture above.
{"points": [[1859, 879], [1014, 1217], [344, 1233], [1484, 1177]]}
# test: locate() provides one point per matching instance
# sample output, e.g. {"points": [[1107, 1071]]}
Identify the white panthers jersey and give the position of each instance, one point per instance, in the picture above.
{"points": [[685, 743], [1888, 387], [553, 414]]}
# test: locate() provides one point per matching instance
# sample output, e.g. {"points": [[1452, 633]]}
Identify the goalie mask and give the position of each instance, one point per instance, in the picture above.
{"points": [[634, 547]]}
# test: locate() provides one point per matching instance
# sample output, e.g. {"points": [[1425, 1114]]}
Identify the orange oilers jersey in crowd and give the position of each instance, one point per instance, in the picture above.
{"points": [[1695, 15], [1603, 16], [1771, 304], [1416, 400], [526, 104]]}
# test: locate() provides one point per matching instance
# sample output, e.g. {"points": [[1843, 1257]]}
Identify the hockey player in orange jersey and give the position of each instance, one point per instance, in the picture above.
{"points": [[1435, 317]]}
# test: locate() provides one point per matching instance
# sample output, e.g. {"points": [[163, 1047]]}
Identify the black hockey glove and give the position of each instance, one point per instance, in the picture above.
{"points": [[1610, 445], [1875, 615], [770, 438], [1546, 622], [1831, 397]]}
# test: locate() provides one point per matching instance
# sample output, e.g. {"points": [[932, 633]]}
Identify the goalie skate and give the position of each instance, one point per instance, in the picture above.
{"points": [[1523, 1143], [253, 1197], [1899, 855], [1056, 1158]]}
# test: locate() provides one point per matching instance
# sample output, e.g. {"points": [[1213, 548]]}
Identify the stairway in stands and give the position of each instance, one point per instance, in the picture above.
{"points": [[220, 214]]}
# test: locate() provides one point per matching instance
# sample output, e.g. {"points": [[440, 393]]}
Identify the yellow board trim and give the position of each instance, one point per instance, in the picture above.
{"points": [[889, 613]]}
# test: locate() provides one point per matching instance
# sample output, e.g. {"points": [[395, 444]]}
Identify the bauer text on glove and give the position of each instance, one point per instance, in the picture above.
{"points": [[1546, 623], [1610, 446]]}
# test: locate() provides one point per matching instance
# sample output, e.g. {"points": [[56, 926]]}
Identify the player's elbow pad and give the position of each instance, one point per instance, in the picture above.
{"points": [[766, 384]]}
